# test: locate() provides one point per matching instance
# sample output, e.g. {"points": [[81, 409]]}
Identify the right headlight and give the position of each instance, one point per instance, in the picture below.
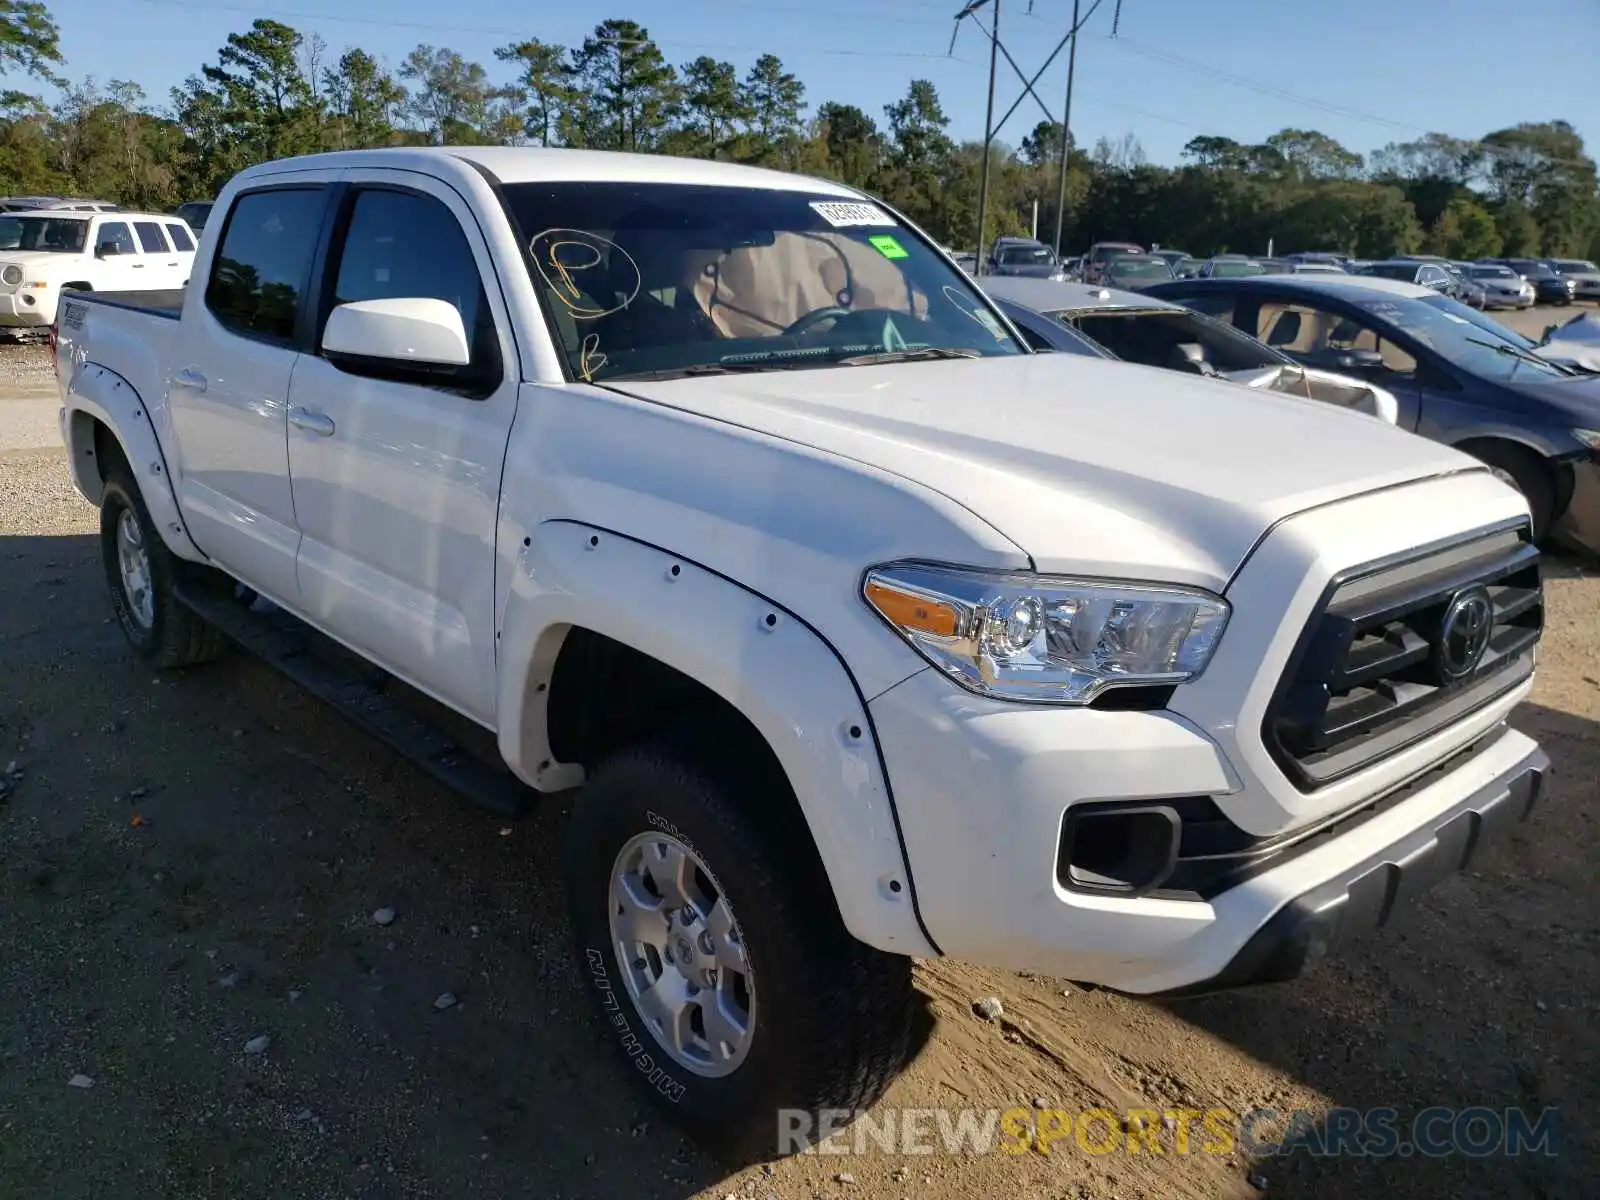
{"points": [[1047, 639], [12, 274]]}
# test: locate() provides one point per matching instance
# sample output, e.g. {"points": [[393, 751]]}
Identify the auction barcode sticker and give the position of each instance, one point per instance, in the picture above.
{"points": [[841, 214]]}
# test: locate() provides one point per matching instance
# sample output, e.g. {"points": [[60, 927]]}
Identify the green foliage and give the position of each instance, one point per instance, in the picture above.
{"points": [[271, 92]]}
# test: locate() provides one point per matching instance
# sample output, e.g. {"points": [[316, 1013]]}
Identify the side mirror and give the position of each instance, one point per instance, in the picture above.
{"points": [[411, 331], [107, 250]]}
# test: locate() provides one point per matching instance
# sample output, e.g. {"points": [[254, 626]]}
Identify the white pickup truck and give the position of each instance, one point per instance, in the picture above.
{"points": [[870, 634]]}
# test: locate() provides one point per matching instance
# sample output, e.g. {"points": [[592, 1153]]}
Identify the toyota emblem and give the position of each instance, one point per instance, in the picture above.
{"points": [[1463, 634]]}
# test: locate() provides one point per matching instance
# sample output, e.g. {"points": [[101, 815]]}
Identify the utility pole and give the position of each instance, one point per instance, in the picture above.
{"points": [[988, 124], [1066, 131]]}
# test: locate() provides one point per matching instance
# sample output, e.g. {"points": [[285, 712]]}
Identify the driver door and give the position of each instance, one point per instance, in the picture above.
{"points": [[1331, 338]]}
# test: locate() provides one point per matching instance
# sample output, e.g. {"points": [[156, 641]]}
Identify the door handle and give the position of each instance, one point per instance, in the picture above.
{"points": [[191, 379], [311, 422], [137, 266]]}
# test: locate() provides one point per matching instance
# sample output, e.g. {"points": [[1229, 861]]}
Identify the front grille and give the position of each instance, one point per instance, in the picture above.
{"points": [[1384, 664]]}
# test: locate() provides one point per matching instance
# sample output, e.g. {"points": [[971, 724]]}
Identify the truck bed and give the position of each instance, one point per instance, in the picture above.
{"points": [[167, 302]]}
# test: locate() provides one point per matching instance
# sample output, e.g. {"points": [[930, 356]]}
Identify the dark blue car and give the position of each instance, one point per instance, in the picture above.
{"points": [[1460, 377]]}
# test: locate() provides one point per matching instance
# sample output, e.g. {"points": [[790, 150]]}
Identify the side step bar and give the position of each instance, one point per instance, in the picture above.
{"points": [[286, 643]]}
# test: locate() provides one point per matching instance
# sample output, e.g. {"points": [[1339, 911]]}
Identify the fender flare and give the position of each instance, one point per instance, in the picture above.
{"points": [[769, 664], [107, 397]]}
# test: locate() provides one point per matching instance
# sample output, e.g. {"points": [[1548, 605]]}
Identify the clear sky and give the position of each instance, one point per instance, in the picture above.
{"points": [[1366, 72]]}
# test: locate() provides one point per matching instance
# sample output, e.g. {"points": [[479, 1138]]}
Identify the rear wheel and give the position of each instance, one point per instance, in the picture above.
{"points": [[1525, 471], [141, 574], [710, 939]]}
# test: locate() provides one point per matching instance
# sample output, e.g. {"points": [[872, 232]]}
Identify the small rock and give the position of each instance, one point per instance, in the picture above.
{"points": [[257, 1045], [111, 727], [768, 1169], [389, 945], [1541, 1005], [445, 1000], [1041, 1102], [212, 954], [80, 1081], [900, 1174], [844, 1177], [505, 831], [639, 1128], [1259, 1182], [11, 767], [588, 1160], [138, 793], [228, 980], [295, 994], [384, 916], [989, 1008]]}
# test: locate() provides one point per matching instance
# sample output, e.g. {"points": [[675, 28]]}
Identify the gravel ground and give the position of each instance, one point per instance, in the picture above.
{"points": [[189, 864]]}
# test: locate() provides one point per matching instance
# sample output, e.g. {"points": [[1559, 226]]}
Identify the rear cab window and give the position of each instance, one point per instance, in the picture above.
{"points": [[260, 275]]}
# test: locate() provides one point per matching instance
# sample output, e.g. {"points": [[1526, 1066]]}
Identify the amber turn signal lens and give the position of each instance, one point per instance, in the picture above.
{"points": [[909, 611]]}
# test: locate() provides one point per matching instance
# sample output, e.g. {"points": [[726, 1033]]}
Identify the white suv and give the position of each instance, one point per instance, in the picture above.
{"points": [[47, 251]]}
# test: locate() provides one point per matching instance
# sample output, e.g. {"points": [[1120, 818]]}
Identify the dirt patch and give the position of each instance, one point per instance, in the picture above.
{"points": [[188, 864]]}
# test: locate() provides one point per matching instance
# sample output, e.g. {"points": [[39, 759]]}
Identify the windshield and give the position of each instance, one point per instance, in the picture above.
{"points": [[1577, 266], [1536, 270], [1493, 273], [1461, 336], [648, 279], [1234, 269], [59, 235], [1129, 267], [1013, 256]]}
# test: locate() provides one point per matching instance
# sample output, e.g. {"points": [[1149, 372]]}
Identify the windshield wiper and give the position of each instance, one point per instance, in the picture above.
{"points": [[1518, 353], [707, 368], [925, 353]]}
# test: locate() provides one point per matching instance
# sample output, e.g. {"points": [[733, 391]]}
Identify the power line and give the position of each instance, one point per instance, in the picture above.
{"points": [[503, 31]]}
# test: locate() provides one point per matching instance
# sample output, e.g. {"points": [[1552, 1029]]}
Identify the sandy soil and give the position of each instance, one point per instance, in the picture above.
{"points": [[190, 863]]}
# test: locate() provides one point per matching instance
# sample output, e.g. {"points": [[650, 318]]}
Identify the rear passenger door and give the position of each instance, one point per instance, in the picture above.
{"points": [[396, 472], [183, 249], [161, 266], [230, 366]]}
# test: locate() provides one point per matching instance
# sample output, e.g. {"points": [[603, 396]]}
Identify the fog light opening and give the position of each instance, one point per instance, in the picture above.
{"points": [[1124, 850]]}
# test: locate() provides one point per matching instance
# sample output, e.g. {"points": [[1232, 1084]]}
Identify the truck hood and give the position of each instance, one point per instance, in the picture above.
{"points": [[1092, 467]]}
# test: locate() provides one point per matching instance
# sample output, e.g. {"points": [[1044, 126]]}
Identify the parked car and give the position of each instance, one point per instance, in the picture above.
{"points": [[869, 634], [195, 212], [1135, 271], [1585, 277], [1073, 267], [1314, 267], [1024, 257], [1549, 285], [1188, 268], [1230, 266], [45, 252], [1461, 378], [1174, 257], [1503, 287], [1102, 252], [1323, 257], [1131, 327], [75, 203]]}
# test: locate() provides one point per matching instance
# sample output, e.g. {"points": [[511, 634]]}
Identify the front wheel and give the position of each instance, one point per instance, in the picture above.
{"points": [[708, 936], [141, 574], [1525, 471]]}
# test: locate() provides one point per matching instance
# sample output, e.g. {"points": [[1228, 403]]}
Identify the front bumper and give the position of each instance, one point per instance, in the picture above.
{"points": [[1364, 896], [17, 312], [1579, 525]]}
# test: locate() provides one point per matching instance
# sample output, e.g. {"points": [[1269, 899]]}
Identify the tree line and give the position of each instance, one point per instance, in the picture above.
{"points": [[273, 91]]}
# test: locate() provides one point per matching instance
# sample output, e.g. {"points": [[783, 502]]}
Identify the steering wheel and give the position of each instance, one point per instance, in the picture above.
{"points": [[832, 312]]}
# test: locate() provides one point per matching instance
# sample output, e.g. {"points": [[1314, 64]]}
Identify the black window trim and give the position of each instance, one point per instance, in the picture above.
{"points": [[292, 342], [478, 381]]}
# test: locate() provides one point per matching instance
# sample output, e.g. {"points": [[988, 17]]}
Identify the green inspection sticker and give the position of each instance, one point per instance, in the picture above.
{"points": [[887, 246]]}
